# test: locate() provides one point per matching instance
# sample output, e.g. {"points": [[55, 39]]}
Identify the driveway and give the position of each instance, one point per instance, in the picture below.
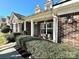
{"points": [[10, 53]]}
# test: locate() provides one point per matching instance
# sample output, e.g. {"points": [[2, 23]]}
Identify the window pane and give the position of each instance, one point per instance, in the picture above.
{"points": [[43, 30], [49, 31], [42, 25], [49, 25]]}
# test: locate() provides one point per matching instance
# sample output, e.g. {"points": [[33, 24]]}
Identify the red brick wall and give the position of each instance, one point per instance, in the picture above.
{"points": [[69, 33]]}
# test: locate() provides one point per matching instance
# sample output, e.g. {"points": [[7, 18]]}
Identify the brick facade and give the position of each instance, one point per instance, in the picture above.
{"points": [[69, 33]]}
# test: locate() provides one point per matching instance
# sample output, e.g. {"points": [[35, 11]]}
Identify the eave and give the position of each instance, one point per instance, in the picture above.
{"points": [[43, 16]]}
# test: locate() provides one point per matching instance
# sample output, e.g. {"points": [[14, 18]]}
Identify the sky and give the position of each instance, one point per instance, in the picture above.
{"points": [[24, 7]]}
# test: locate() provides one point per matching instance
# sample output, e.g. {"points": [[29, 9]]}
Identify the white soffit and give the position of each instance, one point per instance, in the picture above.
{"points": [[71, 11]]}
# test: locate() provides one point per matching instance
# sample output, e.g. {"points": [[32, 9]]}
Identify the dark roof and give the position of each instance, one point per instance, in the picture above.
{"points": [[19, 16], [3, 19], [8, 17]]}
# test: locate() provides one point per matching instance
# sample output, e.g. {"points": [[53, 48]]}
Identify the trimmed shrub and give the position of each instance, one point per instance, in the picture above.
{"points": [[40, 48], [25, 33], [17, 34], [22, 38], [12, 37], [5, 29]]}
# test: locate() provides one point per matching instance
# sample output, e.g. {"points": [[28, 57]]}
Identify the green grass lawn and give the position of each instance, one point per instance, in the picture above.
{"points": [[3, 38]]}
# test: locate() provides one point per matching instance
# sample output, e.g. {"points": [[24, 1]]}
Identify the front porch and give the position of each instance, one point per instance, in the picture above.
{"points": [[20, 27], [43, 24]]}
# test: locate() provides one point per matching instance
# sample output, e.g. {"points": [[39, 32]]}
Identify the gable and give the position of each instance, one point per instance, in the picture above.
{"points": [[14, 19]]}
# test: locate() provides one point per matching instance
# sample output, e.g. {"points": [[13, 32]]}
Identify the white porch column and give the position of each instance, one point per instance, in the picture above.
{"points": [[55, 29], [14, 27], [18, 27], [24, 26], [32, 28]]}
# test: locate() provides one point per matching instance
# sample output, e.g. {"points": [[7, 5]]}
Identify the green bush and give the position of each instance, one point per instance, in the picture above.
{"points": [[41, 48], [22, 38], [12, 37], [5, 29], [16, 34], [25, 33]]}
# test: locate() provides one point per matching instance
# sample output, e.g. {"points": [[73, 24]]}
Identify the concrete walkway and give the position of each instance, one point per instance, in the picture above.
{"points": [[9, 52]]}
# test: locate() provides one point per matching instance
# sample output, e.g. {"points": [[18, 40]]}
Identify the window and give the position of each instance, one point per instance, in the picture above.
{"points": [[50, 25], [42, 26], [46, 27]]}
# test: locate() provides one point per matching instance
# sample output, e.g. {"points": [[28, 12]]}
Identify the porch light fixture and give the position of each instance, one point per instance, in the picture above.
{"points": [[70, 20]]}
